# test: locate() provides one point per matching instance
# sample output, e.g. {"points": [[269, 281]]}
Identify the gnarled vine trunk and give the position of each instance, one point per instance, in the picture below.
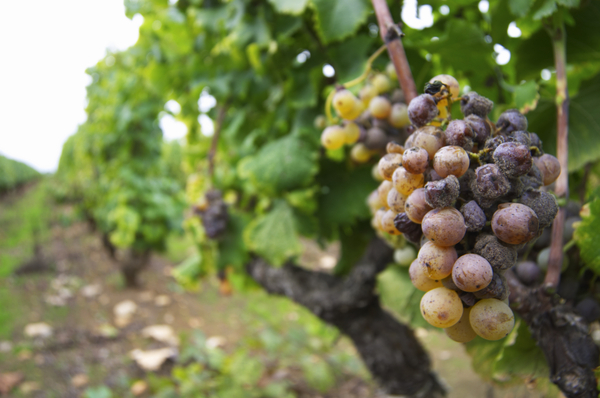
{"points": [[131, 263], [388, 348]]}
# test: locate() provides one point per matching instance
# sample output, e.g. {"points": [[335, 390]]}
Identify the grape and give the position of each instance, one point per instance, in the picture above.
{"points": [[437, 261], [352, 132], [589, 309], [474, 104], [449, 284], [387, 223], [398, 96], [490, 146], [535, 141], [513, 159], [543, 204], [543, 258], [399, 116], [570, 225], [405, 256], [481, 130], [499, 255], [451, 160], [415, 160], [441, 307], [520, 137], [442, 193], [390, 70], [394, 147], [467, 298], [374, 202], [491, 319], [333, 137], [422, 110], [419, 279], [444, 227], [377, 219], [376, 138], [549, 167], [375, 173], [528, 272], [459, 133], [367, 93], [533, 179], [344, 101], [412, 231], [474, 216], [489, 182], [355, 112], [320, 122], [431, 175], [462, 332], [429, 138], [382, 83], [416, 206], [388, 164], [465, 182], [451, 84], [472, 272], [514, 223], [396, 201], [511, 120], [380, 107], [383, 190], [406, 182], [360, 153], [496, 289]]}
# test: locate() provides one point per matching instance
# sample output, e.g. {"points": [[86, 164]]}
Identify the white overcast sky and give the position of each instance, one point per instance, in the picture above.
{"points": [[45, 47]]}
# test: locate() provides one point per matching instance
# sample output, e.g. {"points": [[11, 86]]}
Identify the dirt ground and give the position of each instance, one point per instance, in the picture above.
{"points": [[89, 346]]}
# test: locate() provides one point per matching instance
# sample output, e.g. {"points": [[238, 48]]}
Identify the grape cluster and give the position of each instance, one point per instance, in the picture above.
{"points": [[468, 193], [213, 213], [371, 119]]}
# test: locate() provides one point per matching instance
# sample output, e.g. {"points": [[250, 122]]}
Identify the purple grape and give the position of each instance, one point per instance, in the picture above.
{"points": [[475, 104], [481, 129], [489, 182], [511, 120], [513, 159], [422, 110], [459, 133], [528, 272], [442, 193], [474, 216]]}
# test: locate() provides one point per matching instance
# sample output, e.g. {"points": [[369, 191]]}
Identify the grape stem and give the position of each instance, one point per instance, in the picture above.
{"points": [[215, 139], [395, 48], [557, 33]]}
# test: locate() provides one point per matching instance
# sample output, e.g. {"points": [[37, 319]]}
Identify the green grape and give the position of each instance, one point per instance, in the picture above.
{"points": [[344, 101], [390, 70], [380, 107], [462, 332], [396, 201], [405, 256], [353, 113], [367, 93], [441, 307], [492, 319], [419, 279], [320, 122], [373, 202], [406, 182], [352, 132], [437, 261], [360, 153], [382, 83], [399, 116], [383, 190], [333, 137]]}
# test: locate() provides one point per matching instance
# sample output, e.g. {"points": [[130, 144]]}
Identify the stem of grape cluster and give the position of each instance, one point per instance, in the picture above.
{"points": [[215, 139], [395, 50], [557, 33]]}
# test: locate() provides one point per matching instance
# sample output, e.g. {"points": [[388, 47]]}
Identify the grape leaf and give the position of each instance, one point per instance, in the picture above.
{"points": [[587, 236], [281, 165], [274, 235], [519, 8], [349, 58], [232, 251], [353, 241], [294, 7], [338, 19], [526, 96], [521, 356]]}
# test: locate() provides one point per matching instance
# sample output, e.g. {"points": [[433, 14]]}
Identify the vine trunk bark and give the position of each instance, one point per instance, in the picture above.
{"points": [[388, 348]]}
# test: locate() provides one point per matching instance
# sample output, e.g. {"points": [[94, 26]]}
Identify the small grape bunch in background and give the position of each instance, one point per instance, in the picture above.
{"points": [[470, 194], [373, 116]]}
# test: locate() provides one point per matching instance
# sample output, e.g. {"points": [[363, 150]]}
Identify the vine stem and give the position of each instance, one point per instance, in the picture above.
{"points": [[395, 49], [215, 140], [557, 33]]}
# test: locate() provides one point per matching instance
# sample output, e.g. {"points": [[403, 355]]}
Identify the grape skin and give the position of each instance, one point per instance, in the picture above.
{"points": [[380, 107], [396, 201], [388, 164], [399, 116], [549, 167], [514, 223], [437, 261], [513, 159], [492, 319], [374, 202], [416, 206], [344, 101], [360, 153], [451, 160], [444, 227], [394, 147], [462, 332], [383, 190], [419, 279], [422, 110], [441, 307], [387, 223], [406, 182], [333, 137], [415, 160], [352, 132], [471, 273], [429, 138]]}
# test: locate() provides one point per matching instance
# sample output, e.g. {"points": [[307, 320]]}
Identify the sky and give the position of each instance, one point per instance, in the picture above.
{"points": [[45, 48]]}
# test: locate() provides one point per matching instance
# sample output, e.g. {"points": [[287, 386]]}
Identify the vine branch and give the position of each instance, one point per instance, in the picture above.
{"points": [[215, 139], [391, 33], [558, 36]]}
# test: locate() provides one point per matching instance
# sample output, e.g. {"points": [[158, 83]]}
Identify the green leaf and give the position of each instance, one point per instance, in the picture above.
{"points": [[98, 392], [526, 96], [520, 7], [349, 57], [282, 165], [318, 373], [232, 251], [338, 19], [274, 235], [294, 7], [547, 8], [521, 356], [587, 236], [353, 242]]}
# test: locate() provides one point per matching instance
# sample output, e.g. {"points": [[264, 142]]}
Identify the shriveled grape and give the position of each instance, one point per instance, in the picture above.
{"points": [[513, 159], [459, 133], [543, 204], [474, 216], [411, 230], [511, 120], [442, 193], [475, 104], [499, 255]]}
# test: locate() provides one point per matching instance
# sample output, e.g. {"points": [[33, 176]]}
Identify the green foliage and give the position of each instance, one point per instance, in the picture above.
{"points": [[587, 236], [14, 173]]}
